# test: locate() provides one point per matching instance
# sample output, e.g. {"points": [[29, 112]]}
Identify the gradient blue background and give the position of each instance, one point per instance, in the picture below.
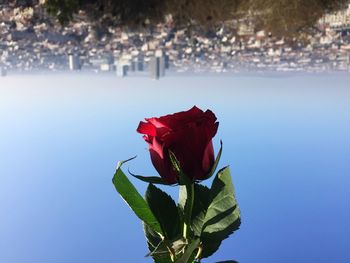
{"points": [[287, 139]]}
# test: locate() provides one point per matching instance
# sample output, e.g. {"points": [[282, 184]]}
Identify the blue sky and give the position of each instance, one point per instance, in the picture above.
{"points": [[286, 139]]}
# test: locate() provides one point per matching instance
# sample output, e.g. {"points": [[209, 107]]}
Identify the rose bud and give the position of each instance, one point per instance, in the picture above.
{"points": [[188, 135]]}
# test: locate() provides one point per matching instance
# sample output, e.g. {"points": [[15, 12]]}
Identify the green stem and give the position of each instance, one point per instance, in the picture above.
{"points": [[188, 209]]}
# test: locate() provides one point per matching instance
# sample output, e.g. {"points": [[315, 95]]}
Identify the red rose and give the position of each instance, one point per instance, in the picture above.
{"points": [[188, 135]]}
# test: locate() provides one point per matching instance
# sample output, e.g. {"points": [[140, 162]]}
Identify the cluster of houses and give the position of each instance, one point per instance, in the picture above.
{"points": [[30, 40]]}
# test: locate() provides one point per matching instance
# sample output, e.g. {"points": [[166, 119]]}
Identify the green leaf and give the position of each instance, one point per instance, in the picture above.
{"points": [[223, 210], [217, 160], [209, 246], [160, 249], [178, 245], [153, 241], [166, 259], [200, 206], [165, 210], [223, 216], [189, 254], [132, 197], [164, 247]]}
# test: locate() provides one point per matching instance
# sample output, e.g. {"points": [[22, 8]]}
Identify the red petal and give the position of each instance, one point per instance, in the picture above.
{"points": [[157, 147], [163, 167], [208, 157], [156, 122], [179, 119], [146, 128]]}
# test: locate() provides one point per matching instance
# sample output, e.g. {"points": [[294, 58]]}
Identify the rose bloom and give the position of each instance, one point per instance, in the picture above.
{"points": [[188, 134]]}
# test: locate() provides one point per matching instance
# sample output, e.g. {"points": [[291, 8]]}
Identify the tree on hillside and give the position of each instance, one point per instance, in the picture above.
{"points": [[286, 16], [279, 16]]}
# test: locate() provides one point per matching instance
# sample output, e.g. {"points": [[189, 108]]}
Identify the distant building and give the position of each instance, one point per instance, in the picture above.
{"points": [[140, 61], [122, 69], [103, 63], [154, 68], [166, 61], [106, 67], [158, 53], [246, 29], [3, 72], [74, 62], [133, 65], [337, 19], [161, 66]]}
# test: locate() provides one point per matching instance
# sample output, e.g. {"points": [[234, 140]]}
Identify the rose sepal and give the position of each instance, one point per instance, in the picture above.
{"points": [[183, 179], [150, 179], [215, 165]]}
